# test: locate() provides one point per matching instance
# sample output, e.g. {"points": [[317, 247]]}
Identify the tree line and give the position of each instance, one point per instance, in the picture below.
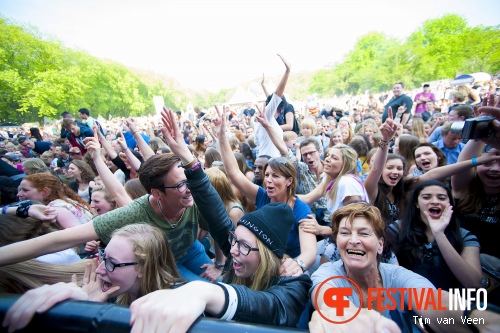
{"points": [[437, 50]]}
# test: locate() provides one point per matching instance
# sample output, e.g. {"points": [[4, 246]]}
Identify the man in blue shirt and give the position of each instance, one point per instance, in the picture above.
{"points": [[450, 144]]}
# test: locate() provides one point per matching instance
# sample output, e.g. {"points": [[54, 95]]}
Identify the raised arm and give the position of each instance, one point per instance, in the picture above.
{"points": [[105, 144], [281, 86], [242, 183], [263, 86], [135, 164], [314, 195], [277, 141], [144, 148], [388, 129], [112, 184], [206, 197]]}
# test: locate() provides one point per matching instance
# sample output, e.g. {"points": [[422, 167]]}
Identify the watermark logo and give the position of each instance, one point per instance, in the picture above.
{"points": [[336, 298]]}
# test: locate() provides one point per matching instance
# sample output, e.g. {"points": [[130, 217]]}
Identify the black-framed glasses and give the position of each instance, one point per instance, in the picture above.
{"points": [[109, 264], [181, 187], [255, 167], [243, 247], [308, 153]]}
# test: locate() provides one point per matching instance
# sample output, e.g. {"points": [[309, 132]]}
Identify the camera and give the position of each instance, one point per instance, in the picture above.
{"points": [[474, 128]]}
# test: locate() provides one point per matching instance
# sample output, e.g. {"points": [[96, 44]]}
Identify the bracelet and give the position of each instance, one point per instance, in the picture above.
{"points": [[189, 165], [4, 210], [382, 144], [301, 264], [135, 132], [474, 162], [218, 265]]}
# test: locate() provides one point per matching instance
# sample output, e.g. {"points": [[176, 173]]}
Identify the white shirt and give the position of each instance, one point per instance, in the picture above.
{"points": [[262, 140]]}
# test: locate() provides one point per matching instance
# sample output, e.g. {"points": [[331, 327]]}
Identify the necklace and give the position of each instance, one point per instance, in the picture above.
{"points": [[363, 298], [172, 225]]}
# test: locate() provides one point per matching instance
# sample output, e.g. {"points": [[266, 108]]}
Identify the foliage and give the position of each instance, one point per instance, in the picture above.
{"points": [[40, 77], [437, 50]]}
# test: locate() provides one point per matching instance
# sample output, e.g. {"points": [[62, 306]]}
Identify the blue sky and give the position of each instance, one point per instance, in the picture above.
{"points": [[217, 44]]}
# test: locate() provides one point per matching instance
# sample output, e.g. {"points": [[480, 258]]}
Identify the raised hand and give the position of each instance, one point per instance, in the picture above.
{"points": [[440, 224], [92, 144], [287, 65], [220, 121], [131, 124], [388, 128], [174, 137], [260, 116]]}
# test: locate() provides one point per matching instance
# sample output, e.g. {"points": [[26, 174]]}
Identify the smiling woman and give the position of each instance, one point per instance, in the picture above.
{"points": [[136, 261]]}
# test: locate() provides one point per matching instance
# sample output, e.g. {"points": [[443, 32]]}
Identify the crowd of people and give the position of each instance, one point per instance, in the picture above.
{"points": [[242, 214]]}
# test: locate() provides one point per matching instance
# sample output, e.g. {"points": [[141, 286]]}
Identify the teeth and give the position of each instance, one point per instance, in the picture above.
{"points": [[356, 253]]}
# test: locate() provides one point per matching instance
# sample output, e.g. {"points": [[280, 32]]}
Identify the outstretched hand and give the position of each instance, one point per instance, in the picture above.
{"points": [[92, 144], [388, 128], [174, 137], [287, 65], [42, 213], [260, 117], [220, 122], [39, 300]]}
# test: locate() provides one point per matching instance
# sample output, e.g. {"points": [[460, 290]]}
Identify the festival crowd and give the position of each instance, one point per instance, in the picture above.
{"points": [[242, 213]]}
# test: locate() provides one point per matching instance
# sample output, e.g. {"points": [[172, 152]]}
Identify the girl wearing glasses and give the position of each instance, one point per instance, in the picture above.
{"points": [[252, 289], [136, 261]]}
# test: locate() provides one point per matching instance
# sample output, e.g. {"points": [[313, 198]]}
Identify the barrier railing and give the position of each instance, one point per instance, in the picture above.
{"points": [[81, 316]]}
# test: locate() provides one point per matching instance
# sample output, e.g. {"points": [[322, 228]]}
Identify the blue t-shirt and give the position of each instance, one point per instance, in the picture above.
{"points": [[300, 211]]}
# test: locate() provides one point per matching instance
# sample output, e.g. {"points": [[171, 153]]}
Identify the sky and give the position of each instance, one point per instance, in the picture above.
{"points": [[218, 44]]}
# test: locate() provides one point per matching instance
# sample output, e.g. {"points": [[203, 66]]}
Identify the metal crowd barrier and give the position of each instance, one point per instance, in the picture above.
{"points": [[82, 316]]}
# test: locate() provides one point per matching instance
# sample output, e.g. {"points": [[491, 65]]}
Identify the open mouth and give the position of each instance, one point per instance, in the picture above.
{"points": [[237, 265], [394, 178], [105, 286], [356, 253], [435, 212], [493, 176], [426, 165]]}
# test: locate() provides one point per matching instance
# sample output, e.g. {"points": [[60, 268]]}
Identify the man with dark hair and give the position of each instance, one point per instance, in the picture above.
{"points": [[37, 147], [400, 104], [64, 132], [77, 131], [84, 114], [61, 152], [258, 166], [422, 98]]}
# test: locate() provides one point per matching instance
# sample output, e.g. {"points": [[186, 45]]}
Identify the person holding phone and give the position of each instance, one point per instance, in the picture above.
{"points": [[400, 104]]}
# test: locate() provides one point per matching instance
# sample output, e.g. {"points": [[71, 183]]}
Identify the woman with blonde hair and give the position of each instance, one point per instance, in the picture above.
{"points": [[417, 129], [46, 188], [156, 144], [136, 262], [32, 164]]}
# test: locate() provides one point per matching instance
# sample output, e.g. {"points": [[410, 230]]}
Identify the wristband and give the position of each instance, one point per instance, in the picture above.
{"points": [[23, 208], [189, 165], [219, 266], [382, 144], [135, 132], [474, 162], [4, 210]]}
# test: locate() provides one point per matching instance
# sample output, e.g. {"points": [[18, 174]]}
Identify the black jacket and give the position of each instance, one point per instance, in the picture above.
{"points": [[283, 302]]}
